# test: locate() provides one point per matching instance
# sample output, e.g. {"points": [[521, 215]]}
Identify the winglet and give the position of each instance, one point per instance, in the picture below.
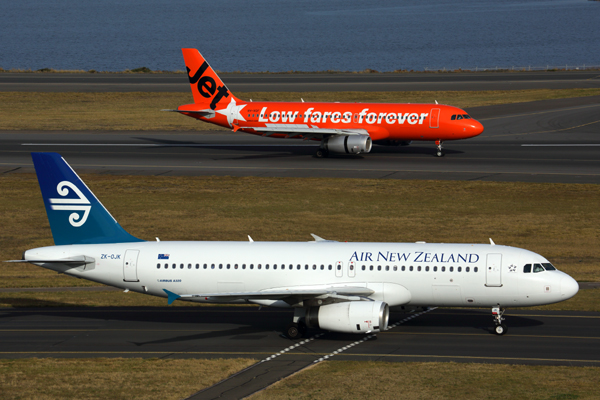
{"points": [[172, 296]]}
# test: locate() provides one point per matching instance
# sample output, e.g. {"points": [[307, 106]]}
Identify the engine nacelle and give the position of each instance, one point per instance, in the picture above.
{"points": [[352, 144], [350, 316]]}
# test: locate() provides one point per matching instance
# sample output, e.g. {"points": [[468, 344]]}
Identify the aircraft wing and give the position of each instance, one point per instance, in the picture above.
{"points": [[304, 129], [341, 293]]}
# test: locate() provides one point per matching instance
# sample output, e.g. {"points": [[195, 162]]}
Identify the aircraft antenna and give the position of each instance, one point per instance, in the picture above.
{"points": [[250, 239], [492, 242], [436, 102]]}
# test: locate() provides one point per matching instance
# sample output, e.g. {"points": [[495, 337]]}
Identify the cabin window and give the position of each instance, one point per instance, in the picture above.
{"points": [[228, 266], [220, 266], [371, 268], [322, 267], [274, 266], [291, 266], [339, 267], [181, 266], [387, 267], [189, 266], [306, 267], [443, 269], [174, 266], [259, 266], [243, 266], [330, 267], [235, 266], [379, 268], [451, 269], [434, 269], [166, 266], [205, 266], [251, 266], [267, 266], [427, 269], [158, 266], [299, 266], [314, 267], [197, 266], [403, 268], [395, 268], [212, 266], [467, 269], [419, 268], [459, 269], [475, 269], [410, 268], [364, 267], [549, 267]]}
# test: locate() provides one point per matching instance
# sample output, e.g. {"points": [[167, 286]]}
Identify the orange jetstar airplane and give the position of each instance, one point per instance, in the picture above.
{"points": [[347, 128]]}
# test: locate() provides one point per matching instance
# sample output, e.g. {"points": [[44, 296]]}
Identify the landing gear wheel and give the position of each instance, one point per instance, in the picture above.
{"points": [[501, 329], [293, 331], [322, 153], [440, 152]]}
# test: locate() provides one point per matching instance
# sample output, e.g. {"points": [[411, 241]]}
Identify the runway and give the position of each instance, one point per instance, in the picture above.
{"points": [[460, 335], [303, 82], [543, 141]]}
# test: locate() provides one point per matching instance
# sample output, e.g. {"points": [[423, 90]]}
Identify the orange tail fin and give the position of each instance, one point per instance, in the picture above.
{"points": [[206, 84]]}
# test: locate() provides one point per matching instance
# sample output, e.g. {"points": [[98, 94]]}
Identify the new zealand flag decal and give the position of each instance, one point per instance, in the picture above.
{"points": [[163, 256]]}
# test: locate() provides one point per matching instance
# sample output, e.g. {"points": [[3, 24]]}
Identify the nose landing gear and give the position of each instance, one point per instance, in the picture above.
{"points": [[440, 152], [500, 328]]}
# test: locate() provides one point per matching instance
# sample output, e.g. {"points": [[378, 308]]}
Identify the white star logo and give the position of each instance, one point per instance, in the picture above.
{"points": [[232, 112]]}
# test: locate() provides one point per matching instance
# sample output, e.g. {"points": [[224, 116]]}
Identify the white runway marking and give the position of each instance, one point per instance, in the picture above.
{"points": [[165, 145], [562, 145]]}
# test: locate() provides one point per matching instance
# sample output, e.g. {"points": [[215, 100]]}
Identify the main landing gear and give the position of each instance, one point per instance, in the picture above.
{"points": [[440, 152], [500, 328], [322, 153], [297, 328]]}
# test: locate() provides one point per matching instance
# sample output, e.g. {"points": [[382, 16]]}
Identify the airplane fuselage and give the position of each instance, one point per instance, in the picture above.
{"points": [[400, 274]]}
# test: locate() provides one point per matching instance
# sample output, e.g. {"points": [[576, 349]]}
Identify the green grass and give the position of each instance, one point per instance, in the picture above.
{"points": [[28, 111], [382, 380], [114, 378]]}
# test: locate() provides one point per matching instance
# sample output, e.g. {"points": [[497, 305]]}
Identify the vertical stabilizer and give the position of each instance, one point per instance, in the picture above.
{"points": [[76, 216], [206, 85]]}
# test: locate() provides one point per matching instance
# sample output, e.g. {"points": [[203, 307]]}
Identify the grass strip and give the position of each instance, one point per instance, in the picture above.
{"points": [[585, 300], [559, 221], [361, 380], [112, 378], [141, 111]]}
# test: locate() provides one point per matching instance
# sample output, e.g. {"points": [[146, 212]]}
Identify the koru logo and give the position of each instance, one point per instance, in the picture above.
{"points": [[207, 85], [81, 204], [512, 268]]}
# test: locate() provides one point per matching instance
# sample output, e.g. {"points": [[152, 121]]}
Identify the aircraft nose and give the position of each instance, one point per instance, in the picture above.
{"points": [[476, 128], [568, 287]]}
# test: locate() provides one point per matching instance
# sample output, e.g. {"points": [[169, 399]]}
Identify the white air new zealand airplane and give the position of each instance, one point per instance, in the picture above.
{"points": [[342, 287]]}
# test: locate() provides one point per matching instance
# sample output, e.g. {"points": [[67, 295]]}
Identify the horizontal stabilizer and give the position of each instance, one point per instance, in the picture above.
{"points": [[76, 260], [201, 113]]}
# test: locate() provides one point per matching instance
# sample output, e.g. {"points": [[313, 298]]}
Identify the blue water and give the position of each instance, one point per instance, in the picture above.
{"points": [[278, 35]]}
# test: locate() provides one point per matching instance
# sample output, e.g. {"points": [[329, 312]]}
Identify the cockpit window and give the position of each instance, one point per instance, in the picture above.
{"points": [[459, 116], [453, 117], [465, 116], [527, 268], [549, 267], [538, 268]]}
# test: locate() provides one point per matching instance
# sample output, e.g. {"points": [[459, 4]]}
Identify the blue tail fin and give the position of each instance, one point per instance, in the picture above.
{"points": [[75, 214]]}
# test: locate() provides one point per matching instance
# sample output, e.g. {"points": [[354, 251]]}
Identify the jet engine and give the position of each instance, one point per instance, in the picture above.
{"points": [[352, 144], [350, 316]]}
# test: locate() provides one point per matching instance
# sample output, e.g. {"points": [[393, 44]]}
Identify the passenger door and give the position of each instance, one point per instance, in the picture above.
{"points": [[493, 271]]}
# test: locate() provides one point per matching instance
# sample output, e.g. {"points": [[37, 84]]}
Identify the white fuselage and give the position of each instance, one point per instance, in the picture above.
{"points": [[413, 274]]}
